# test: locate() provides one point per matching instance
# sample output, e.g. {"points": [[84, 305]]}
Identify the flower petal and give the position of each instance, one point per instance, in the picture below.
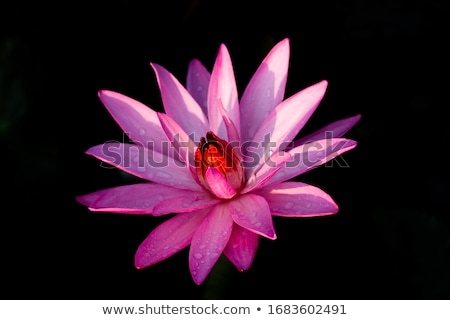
{"points": [[218, 184], [241, 247], [222, 87], [252, 212], [285, 121], [137, 120], [333, 130], [310, 156], [197, 83], [168, 238], [180, 105], [296, 199], [269, 168], [208, 242], [230, 128], [183, 144], [265, 90], [187, 202], [146, 164], [140, 198]]}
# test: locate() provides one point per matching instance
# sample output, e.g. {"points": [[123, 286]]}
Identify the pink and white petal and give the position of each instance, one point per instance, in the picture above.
{"points": [[333, 130], [296, 199], [232, 133], [252, 212], [265, 89], [218, 184], [186, 202], [183, 144], [208, 242], [286, 120], [146, 164], [222, 87], [168, 238], [137, 120], [140, 198], [310, 156], [179, 104], [197, 83], [241, 247], [269, 168]]}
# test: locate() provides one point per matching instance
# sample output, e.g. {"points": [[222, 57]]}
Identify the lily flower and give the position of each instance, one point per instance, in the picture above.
{"points": [[219, 164]]}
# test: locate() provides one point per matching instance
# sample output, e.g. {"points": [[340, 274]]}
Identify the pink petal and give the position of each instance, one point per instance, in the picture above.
{"points": [[310, 156], [146, 164], [265, 90], [232, 133], [269, 168], [222, 87], [296, 199], [187, 202], [252, 212], [208, 242], [197, 83], [218, 184], [168, 238], [183, 145], [180, 105], [334, 130], [137, 120], [286, 120], [241, 247], [140, 198]]}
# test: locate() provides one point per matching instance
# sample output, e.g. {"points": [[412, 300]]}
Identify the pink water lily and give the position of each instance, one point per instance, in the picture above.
{"points": [[219, 164]]}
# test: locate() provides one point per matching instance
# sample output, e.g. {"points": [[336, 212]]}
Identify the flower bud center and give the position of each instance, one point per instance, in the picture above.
{"points": [[218, 153]]}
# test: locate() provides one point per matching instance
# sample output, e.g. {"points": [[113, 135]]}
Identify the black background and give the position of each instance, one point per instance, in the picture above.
{"points": [[386, 60]]}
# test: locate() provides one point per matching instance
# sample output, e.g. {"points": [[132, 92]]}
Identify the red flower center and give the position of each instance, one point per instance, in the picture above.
{"points": [[218, 153]]}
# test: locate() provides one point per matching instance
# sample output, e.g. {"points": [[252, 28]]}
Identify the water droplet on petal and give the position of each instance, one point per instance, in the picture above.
{"points": [[166, 247], [288, 205], [186, 204], [308, 205], [141, 131], [198, 256]]}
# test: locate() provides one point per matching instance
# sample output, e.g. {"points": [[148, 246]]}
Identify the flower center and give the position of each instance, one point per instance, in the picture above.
{"points": [[214, 152]]}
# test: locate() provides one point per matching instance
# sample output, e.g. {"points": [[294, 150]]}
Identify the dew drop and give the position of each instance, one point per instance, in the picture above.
{"points": [[141, 131], [198, 256], [235, 246], [288, 205], [199, 88], [308, 205], [185, 205], [202, 246], [166, 247]]}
